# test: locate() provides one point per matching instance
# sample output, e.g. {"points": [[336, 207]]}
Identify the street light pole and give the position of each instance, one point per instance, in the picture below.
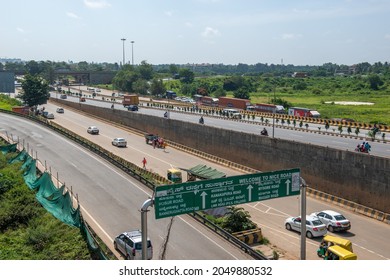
{"points": [[123, 40], [273, 118], [132, 53]]}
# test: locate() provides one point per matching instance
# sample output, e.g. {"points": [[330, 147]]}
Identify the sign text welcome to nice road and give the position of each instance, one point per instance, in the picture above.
{"points": [[176, 199]]}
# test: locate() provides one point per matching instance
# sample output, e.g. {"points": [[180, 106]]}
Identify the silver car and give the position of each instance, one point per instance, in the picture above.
{"points": [[119, 142], [93, 130], [60, 110], [334, 221], [314, 227], [130, 245]]}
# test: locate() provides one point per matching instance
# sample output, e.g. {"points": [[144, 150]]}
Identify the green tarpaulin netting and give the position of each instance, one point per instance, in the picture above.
{"points": [[22, 156], [55, 200], [8, 148]]}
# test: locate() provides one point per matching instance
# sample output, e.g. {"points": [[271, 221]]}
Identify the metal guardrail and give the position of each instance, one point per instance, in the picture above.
{"points": [[229, 237], [122, 164]]}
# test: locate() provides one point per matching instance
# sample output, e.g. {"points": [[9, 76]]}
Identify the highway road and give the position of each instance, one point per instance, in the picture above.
{"points": [[111, 198], [311, 136], [369, 236]]}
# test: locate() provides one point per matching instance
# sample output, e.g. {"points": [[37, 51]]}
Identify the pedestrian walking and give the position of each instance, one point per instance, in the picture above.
{"points": [[165, 146], [144, 163]]}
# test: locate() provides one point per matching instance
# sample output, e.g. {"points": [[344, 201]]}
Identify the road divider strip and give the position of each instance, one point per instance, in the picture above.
{"points": [[353, 206]]}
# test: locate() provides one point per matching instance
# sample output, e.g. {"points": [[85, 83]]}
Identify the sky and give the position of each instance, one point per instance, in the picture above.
{"points": [[299, 32]]}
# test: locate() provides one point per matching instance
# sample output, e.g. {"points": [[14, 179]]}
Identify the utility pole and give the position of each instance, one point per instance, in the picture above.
{"points": [[123, 40], [132, 53]]}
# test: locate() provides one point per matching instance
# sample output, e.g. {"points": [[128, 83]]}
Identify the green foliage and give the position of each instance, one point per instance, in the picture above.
{"points": [[375, 81], [242, 93], [157, 88], [186, 76], [27, 230], [6, 102], [237, 219], [35, 90]]}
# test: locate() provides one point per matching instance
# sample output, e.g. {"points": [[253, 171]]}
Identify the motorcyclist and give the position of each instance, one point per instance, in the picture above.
{"points": [[264, 132], [166, 115], [201, 120]]}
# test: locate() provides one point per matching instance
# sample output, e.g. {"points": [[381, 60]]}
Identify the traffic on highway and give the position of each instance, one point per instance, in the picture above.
{"points": [[112, 199]]}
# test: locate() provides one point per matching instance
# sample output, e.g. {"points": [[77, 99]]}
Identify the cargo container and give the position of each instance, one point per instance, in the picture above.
{"points": [[130, 99], [209, 101], [230, 102], [303, 112], [269, 108]]}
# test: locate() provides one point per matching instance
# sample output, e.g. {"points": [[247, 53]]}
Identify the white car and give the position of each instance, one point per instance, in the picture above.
{"points": [[119, 142], [130, 245], [334, 221], [93, 130], [60, 110], [314, 226], [48, 115]]}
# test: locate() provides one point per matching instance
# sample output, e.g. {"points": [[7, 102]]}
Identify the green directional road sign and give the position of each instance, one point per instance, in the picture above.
{"points": [[176, 199]]}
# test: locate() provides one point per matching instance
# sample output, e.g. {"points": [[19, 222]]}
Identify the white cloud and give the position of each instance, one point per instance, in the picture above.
{"points": [[97, 4], [387, 36], [210, 32], [19, 29], [291, 36], [72, 15], [189, 24]]}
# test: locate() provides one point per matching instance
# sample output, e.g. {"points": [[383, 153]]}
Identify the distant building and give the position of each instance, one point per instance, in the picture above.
{"points": [[10, 60], [7, 82]]}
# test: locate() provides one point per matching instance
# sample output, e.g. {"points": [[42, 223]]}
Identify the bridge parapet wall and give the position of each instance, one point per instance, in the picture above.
{"points": [[361, 178]]}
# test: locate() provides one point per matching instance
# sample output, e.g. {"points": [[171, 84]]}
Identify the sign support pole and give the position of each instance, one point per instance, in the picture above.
{"points": [[303, 219], [144, 230]]}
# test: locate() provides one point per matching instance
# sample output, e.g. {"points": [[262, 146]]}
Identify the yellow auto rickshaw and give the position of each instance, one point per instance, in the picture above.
{"points": [[336, 252], [174, 175], [330, 240]]}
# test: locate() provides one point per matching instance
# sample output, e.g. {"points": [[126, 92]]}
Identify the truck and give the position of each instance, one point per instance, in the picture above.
{"points": [[169, 94], [231, 102], [130, 99], [155, 140], [303, 112], [269, 108], [209, 101]]}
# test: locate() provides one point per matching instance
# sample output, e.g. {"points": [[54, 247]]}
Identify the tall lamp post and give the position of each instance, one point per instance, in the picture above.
{"points": [[123, 40], [273, 117], [132, 53]]}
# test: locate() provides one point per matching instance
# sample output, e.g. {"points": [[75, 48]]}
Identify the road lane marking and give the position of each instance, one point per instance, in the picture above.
{"points": [[141, 189]]}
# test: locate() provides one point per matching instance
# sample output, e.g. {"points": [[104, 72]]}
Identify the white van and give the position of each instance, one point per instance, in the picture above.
{"points": [[232, 113]]}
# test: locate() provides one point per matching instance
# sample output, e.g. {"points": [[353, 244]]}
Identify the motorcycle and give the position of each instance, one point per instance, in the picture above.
{"points": [[264, 132], [363, 149]]}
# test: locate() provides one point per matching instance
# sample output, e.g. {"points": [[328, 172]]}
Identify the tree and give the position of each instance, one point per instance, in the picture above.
{"points": [[375, 81], [186, 76], [35, 90], [141, 86], [219, 92], [145, 70], [157, 87], [237, 219], [340, 128], [357, 130], [125, 78], [242, 92]]}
